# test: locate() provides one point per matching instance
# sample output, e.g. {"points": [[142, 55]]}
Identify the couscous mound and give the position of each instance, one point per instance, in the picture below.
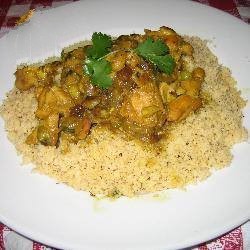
{"points": [[106, 163]]}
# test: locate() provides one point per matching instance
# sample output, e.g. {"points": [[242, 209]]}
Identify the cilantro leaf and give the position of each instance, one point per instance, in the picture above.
{"points": [[95, 65], [164, 63], [149, 46], [156, 52], [101, 44], [99, 71]]}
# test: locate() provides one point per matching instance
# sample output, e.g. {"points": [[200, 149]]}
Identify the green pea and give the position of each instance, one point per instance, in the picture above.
{"points": [[69, 124], [43, 135]]}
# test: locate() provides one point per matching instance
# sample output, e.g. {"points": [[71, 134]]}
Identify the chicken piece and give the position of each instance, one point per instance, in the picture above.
{"points": [[133, 59], [180, 108], [73, 60], [26, 78], [191, 86], [91, 102], [53, 100], [31, 76], [50, 74], [117, 60], [143, 106]]}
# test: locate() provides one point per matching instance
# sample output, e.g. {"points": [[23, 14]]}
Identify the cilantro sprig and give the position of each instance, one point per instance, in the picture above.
{"points": [[96, 66], [101, 45], [157, 53], [99, 69]]}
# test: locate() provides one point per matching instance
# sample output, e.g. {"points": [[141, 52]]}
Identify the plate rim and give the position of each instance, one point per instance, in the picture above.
{"points": [[233, 225]]}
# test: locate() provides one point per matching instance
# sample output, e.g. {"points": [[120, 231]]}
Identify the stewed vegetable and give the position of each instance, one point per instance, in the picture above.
{"points": [[136, 84]]}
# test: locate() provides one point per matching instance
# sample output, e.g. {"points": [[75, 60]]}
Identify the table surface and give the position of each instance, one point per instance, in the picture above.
{"points": [[10, 12]]}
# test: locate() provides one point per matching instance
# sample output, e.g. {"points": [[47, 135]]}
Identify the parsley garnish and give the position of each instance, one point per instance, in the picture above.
{"points": [[157, 53], [97, 67]]}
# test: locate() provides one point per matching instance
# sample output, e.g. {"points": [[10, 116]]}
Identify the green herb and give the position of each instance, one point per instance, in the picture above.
{"points": [[99, 71], [157, 53], [101, 45], [97, 67]]}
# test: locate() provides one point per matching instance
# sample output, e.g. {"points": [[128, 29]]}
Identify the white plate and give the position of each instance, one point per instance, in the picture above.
{"points": [[61, 217]]}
